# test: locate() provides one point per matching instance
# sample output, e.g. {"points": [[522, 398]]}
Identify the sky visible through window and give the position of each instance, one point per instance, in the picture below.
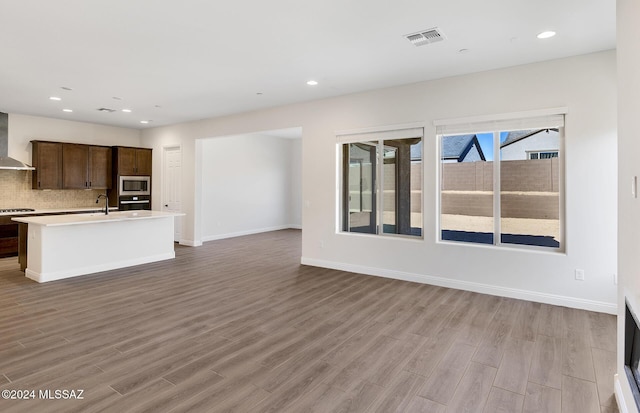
{"points": [[486, 143]]}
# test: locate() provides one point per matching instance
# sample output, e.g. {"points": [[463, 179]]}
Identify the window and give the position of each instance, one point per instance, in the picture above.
{"points": [[382, 182], [542, 155], [504, 185]]}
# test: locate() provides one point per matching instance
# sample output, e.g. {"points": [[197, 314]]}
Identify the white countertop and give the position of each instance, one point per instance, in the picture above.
{"points": [[93, 218]]}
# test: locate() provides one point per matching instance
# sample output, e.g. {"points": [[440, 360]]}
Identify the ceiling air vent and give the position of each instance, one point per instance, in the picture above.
{"points": [[106, 110], [426, 37]]}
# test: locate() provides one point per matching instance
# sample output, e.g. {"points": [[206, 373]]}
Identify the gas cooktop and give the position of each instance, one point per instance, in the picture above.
{"points": [[5, 210]]}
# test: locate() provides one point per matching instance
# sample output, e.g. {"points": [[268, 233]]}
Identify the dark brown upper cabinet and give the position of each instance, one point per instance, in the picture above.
{"points": [[46, 157], [71, 166], [100, 167], [133, 161], [75, 163]]}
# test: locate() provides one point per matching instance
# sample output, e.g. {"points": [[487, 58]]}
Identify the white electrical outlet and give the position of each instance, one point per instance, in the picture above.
{"points": [[580, 275]]}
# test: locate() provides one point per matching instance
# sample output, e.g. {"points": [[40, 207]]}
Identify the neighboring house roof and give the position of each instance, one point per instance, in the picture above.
{"points": [[515, 136], [457, 147]]}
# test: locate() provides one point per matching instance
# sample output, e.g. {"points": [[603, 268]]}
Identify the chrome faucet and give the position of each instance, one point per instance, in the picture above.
{"points": [[106, 202]]}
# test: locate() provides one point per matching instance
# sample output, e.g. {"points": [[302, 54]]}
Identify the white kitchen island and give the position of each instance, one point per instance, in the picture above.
{"points": [[63, 246]]}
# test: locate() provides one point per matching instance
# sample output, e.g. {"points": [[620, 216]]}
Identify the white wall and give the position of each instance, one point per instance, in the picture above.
{"points": [[628, 33], [585, 84], [23, 129], [295, 185], [248, 185]]}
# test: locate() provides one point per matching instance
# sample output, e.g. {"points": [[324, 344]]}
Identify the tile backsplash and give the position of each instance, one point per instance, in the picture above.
{"points": [[16, 192]]}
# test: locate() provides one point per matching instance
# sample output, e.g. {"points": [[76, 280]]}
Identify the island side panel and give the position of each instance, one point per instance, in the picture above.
{"points": [[57, 252], [22, 245]]}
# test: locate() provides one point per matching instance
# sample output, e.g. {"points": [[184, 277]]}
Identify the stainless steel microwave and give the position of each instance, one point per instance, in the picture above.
{"points": [[134, 185]]}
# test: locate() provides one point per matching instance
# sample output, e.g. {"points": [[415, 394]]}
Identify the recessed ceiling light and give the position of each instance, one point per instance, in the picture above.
{"points": [[312, 83], [144, 121], [546, 35], [116, 98], [126, 110], [259, 93], [54, 98], [157, 106], [67, 110], [65, 88], [463, 51]]}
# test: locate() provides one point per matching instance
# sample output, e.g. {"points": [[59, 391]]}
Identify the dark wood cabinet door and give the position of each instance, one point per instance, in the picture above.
{"points": [[126, 161], [75, 164], [47, 159], [99, 167], [143, 162]]}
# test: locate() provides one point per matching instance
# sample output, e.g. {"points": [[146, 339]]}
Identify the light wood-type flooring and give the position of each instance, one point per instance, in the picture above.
{"points": [[239, 325]]}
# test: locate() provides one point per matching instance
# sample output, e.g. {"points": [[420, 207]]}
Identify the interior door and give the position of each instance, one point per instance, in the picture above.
{"points": [[171, 191]]}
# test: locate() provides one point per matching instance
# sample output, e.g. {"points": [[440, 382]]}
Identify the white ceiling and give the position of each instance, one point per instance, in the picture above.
{"points": [[174, 61]]}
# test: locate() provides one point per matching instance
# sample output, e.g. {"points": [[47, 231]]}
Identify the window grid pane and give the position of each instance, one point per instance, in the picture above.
{"points": [[528, 201], [467, 188], [382, 187]]}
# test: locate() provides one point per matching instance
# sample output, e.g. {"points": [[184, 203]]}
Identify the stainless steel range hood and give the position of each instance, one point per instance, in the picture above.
{"points": [[5, 161]]}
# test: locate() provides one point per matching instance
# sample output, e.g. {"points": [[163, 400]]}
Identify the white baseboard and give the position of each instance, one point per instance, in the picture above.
{"points": [[190, 243], [573, 302], [248, 232], [617, 391]]}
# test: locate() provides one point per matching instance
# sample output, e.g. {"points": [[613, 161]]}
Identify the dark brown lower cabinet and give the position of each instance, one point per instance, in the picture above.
{"points": [[8, 237]]}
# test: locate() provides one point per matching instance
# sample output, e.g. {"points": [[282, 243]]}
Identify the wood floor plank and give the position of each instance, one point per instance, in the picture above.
{"points": [[579, 396], [525, 326], [270, 379], [542, 399], [399, 394], [323, 398], [577, 360], [395, 360], [295, 388], [359, 399], [514, 368], [604, 362], [224, 391], [136, 398], [546, 364], [493, 342], [441, 385], [550, 321], [354, 344], [240, 325], [243, 399], [358, 369], [185, 390], [427, 356], [422, 405], [503, 401], [474, 388], [476, 328], [602, 329]]}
